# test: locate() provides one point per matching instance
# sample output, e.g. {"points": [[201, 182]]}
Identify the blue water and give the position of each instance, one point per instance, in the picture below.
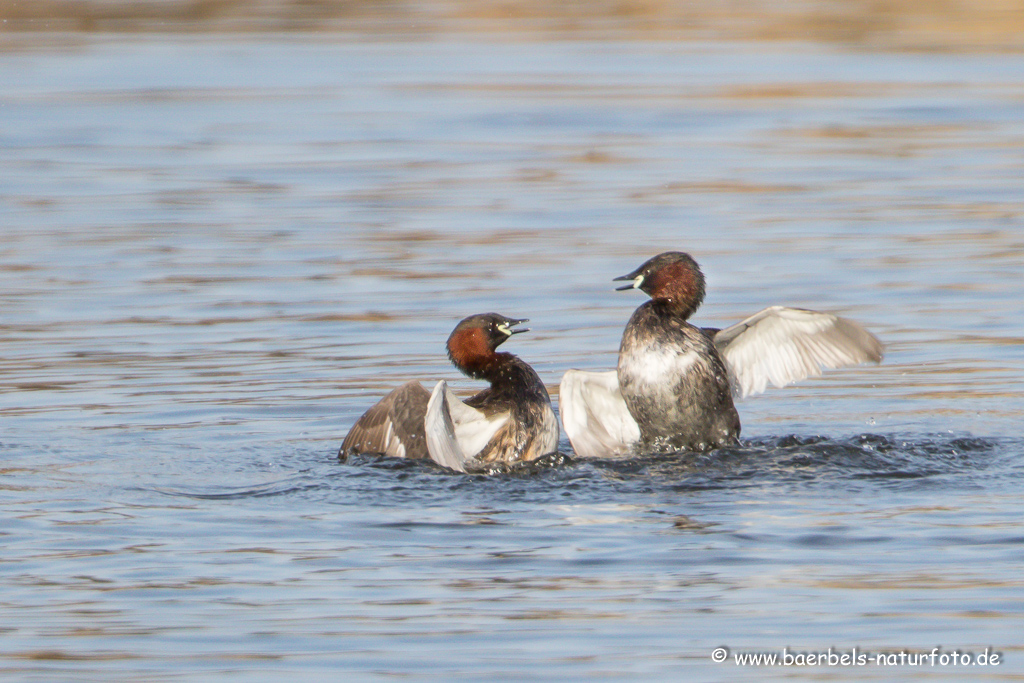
{"points": [[217, 252]]}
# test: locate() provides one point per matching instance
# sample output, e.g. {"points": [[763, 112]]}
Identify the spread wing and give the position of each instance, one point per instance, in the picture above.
{"points": [[455, 432], [784, 345], [394, 426], [595, 417]]}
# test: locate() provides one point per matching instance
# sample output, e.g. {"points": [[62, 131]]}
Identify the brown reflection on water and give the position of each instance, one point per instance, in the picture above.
{"points": [[874, 24], [913, 581]]}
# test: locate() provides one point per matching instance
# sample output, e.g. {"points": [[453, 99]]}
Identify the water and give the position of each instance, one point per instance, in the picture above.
{"points": [[217, 252]]}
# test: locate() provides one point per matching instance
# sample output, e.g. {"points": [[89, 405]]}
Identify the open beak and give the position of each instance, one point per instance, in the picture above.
{"points": [[509, 324], [635, 276]]}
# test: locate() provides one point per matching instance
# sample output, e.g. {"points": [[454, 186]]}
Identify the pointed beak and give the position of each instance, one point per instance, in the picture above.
{"points": [[507, 326], [635, 276], [513, 323]]}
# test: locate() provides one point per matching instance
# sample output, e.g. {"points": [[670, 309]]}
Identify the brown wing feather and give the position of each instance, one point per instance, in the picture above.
{"points": [[394, 426], [521, 439]]}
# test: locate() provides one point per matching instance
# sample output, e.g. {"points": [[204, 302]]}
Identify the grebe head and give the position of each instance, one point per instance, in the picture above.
{"points": [[474, 339], [672, 278]]}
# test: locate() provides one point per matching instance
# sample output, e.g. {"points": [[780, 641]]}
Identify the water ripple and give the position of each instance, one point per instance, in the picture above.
{"points": [[791, 460], [219, 251], [280, 487]]}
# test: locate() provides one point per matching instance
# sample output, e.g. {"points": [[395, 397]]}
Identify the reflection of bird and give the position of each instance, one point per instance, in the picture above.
{"points": [[508, 422], [675, 382]]}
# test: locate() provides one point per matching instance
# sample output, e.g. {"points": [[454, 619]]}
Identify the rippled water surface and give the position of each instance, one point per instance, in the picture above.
{"points": [[218, 252]]}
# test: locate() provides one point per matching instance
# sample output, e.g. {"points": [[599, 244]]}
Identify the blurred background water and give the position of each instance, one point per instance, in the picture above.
{"points": [[230, 227]]}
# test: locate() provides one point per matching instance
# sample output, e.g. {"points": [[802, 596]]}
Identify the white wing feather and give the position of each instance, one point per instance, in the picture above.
{"points": [[595, 417], [456, 433], [784, 345]]}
